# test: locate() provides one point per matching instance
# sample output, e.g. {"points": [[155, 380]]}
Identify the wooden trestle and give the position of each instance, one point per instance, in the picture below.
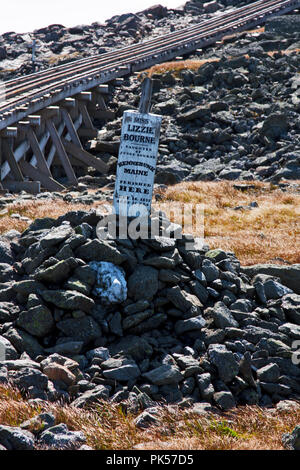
{"points": [[51, 137]]}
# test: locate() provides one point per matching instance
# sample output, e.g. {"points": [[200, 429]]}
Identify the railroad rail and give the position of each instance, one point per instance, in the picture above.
{"points": [[45, 115]]}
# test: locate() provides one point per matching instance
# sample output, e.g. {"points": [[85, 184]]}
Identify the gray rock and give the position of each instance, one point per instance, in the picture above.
{"points": [[92, 397], [13, 438], [148, 418], [70, 348], [7, 351], [37, 321], [291, 441], [22, 341], [57, 273], [205, 386], [56, 235], [100, 250], [161, 244], [192, 324], [133, 320], [269, 373], [224, 400], [38, 423], [59, 437], [143, 283], [6, 255], [164, 375], [288, 275], [126, 372], [27, 377], [222, 316], [83, 329], [283, 25], [68, 300], [224, 360], [275, 126], [290, 330], [182, 299], [134, 346], [291, 307], [28, 287], [7, 272], [152, 323]]}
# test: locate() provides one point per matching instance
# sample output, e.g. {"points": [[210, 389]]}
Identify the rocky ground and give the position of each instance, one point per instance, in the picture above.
{"points": [[147, 324], [58, 44], [235, 117], [140, 322]]}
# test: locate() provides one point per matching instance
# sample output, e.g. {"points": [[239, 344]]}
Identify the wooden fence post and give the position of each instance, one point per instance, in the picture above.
{"points": [[145, 103]]}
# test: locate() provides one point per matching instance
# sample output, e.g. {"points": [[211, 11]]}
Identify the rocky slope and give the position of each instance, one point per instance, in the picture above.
{"points": [[146, 322], [236, 117], [141, 322], [58, 44]]}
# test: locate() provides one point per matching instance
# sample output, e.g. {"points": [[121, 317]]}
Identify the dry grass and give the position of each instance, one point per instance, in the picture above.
{"points": [[56, 59], [36, 210], [107, 427], [263, 234], [177, 66], [267, 233]]}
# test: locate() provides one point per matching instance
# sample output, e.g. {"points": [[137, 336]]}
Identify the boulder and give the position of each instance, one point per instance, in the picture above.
{"points": [[59, 437], [143, 283], [37, 321], [68, 300], [13, 438]]}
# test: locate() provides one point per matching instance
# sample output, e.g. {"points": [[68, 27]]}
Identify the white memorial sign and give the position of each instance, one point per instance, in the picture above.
{"points": [[137, 160]]}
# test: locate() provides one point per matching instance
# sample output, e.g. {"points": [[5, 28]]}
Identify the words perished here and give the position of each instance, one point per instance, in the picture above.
{"points": [[137, 161]]}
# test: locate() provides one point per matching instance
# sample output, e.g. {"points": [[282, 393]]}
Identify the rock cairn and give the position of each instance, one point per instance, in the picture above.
{"points": [[84, 319]]}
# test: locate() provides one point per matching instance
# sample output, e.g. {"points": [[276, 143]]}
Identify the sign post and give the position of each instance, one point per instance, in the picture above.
{"points": [[33, 56], [137, 157]]}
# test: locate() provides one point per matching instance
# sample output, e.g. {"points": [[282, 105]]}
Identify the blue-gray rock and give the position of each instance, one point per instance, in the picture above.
{"points": [[164, 375], [222, 316], [291, 307], [205, 386], [92, 397], [99, 353], [224, 400], [181, 299], [225, 362], [269, 373], [68, 300], [149, 417], [143, 283], [13, 438], [126, 372], [134, 346], [192, 324], [288, 275], [291, 441], [6, 255], [37, 321], [59, 437], [83, 329], [100, 250], [210, 271]]}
